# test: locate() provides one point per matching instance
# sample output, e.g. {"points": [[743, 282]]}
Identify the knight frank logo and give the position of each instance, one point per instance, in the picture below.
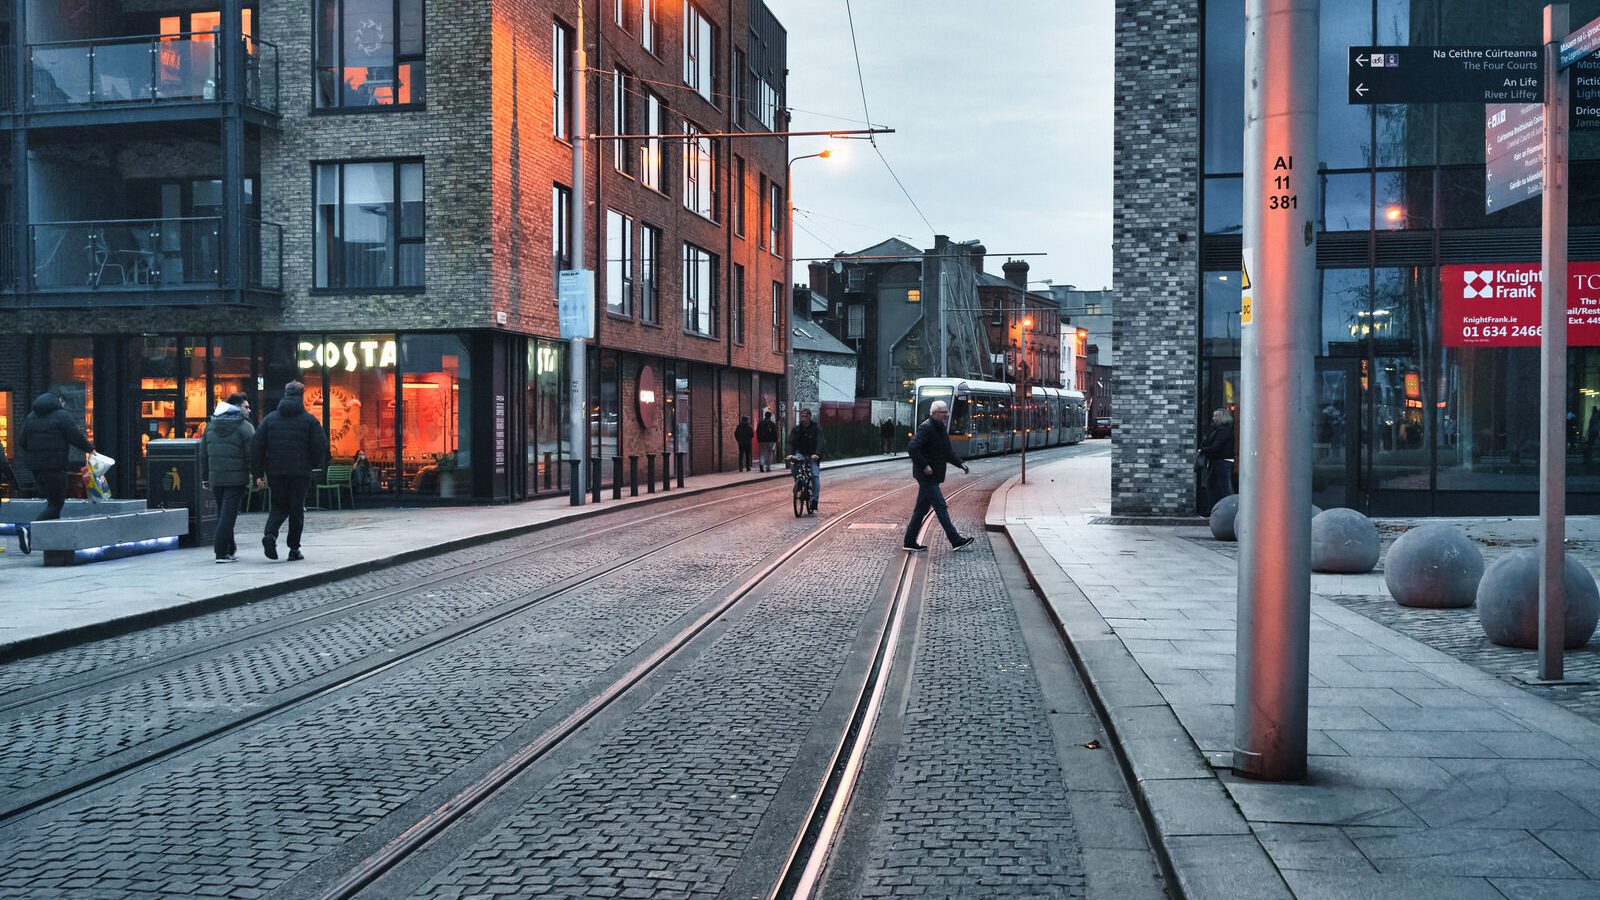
{"points": [[1479, 285]]}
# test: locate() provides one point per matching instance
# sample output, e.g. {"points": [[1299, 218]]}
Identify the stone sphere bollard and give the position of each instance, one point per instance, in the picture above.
{"points": [[1239, 526], [1223, 517], [1434, 567], [1508, 601], [1343, 541]]}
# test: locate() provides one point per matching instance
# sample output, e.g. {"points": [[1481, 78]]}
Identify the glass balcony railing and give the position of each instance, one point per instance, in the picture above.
{"points": [[149, 255], [145, 70]]}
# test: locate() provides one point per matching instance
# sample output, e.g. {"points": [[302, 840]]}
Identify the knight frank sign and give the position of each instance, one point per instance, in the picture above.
{"points": [[1498, 305]]}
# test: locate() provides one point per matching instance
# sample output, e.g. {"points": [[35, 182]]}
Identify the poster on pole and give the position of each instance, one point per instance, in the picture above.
{"points": [[1499, 304], [575, 300]]}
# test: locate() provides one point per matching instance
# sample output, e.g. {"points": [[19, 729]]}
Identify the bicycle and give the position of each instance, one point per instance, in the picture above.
{"points": [[805, 486]]}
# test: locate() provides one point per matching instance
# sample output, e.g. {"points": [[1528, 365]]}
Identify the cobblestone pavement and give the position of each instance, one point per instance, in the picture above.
{"points": [[665, 806], [56, 738], [247, 813], [978, 801]]}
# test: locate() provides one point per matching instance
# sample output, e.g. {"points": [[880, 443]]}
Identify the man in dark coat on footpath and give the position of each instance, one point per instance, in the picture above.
{"points": [[742, 435], [225, 466], [767, 439], [46, 435], [931, 453], [287, 446]]}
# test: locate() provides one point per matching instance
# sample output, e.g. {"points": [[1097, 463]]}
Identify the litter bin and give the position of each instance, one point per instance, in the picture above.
{"points": [[172, 475]]}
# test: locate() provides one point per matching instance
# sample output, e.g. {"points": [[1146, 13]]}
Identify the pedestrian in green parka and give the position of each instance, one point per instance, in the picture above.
{"points": [[225, 467]]}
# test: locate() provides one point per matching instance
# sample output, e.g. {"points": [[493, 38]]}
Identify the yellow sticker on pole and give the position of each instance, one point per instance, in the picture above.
{"points": [[1244, 289]]}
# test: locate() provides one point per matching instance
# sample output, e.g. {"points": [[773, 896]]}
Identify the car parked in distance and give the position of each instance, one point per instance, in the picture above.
{"points": [[1101, 428]]}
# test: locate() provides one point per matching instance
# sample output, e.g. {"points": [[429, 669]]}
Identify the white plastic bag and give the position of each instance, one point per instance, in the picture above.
{"points": [[100, 463]]}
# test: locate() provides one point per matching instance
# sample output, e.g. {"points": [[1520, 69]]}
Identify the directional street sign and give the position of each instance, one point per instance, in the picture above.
{"points": [[1580, 43], [1585, 75], [1510, 74], [1514, 153]]}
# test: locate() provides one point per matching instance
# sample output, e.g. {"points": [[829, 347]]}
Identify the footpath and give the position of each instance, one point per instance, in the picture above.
{"points": [[48, 608], [1432, 773]]}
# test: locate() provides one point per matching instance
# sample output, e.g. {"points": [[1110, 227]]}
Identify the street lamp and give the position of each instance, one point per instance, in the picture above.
{"points": [[788, 278], [1023, 396]]}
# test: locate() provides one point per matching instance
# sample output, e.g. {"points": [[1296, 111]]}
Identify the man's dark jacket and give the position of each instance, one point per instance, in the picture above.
{"points": [[1218, 443], [47, 432], [225, 449], [931, 448], [767, 431], [805, 439], [743, 433], [289, 443]]}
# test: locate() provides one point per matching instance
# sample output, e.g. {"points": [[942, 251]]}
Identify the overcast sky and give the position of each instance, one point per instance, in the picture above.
{"points": [[1003, 119]]}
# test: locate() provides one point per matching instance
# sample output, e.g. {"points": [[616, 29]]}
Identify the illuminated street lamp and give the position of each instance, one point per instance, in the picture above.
{"points": [[788, 277], [1023, 397]]}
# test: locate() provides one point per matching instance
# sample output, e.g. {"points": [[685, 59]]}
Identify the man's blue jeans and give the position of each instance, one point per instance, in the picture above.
{"points": [[930, 496], [816, 480]]}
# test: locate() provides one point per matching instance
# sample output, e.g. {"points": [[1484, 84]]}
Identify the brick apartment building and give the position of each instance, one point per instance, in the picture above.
{"points": [[1009, 308], [373, 196]]}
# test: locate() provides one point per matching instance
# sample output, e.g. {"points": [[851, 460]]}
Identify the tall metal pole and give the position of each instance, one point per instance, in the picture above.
{"points": [[1022, 370], [1280, 201], [1553, 352], [577, 355]]}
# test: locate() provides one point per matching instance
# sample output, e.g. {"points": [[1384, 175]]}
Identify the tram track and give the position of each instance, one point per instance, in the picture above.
{"points": [[87, 777]]}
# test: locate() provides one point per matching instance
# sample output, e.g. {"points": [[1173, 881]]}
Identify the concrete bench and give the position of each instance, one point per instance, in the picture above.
{"points": [[17, 512], [86, 539]]}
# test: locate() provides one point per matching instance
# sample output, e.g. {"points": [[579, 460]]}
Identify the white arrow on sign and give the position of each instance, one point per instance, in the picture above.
{"points": [[1361, 90], [1361, 60]]}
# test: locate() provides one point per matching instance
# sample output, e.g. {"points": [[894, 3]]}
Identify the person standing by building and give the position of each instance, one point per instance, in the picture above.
{"points": [[742, 435], [767, 437], [886, 436], [287, 446], [805, 444], [47, 433], [225, 467], [1215, 459], [931, 454]]}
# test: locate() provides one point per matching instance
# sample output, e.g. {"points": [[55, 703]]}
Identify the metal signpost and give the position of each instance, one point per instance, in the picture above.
{"points": [[1279, 338], [1553, 354], [1507, 74], [1513, 147], [583, 323]]}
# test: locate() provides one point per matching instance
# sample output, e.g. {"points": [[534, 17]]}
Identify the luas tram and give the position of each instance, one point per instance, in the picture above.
{"points": [[985, 417]]}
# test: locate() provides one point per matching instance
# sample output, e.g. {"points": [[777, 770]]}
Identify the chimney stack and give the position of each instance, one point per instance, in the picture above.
{"points": [[1017, 272]]}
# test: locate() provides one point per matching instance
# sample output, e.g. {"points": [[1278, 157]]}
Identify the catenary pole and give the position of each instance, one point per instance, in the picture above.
{"points": [[577, 355], [1280, 201], [1553, 352]]}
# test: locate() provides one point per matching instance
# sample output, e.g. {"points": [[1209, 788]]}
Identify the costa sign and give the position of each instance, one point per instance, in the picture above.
{"points": [[1498, 305], [347, 355]]}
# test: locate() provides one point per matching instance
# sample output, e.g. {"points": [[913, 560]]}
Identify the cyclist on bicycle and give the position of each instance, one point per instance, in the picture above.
{"points": [[805, 442]]}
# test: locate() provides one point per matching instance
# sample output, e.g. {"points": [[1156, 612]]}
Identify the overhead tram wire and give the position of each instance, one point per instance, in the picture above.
{"points": [[811, 213], [632, 79], [862, 81]]}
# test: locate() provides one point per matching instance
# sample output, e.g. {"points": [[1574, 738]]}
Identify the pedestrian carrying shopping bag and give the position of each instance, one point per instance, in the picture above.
{"points": [[94, 476]]}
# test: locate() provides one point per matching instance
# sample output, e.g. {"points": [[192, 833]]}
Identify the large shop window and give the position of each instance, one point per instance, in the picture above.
{"points": [[619, 263], [435, 408], [607, 413], [699, 291], [350, 386], [547, 428], [369, 54], [72, 379], [370, 225]]}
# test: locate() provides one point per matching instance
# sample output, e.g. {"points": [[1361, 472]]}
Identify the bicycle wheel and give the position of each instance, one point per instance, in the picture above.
{"points": [[799, 504]]}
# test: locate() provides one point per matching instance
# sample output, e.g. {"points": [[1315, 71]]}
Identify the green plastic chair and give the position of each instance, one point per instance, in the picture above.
{"points": [[337, 480]]}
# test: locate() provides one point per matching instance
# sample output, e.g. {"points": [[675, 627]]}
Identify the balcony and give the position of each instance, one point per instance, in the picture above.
{"points": [[143, 262], [175, 74]]}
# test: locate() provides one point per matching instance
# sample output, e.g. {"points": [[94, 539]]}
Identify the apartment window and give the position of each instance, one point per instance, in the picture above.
{"points": [[619, 12], [369, 229], [856, 325], [699, 291], [561, 226], [369, 53], [699, 50], [766, 97], [699, 174], [738, 86], [736, 327], [738, 196], [649, 24], [655, 121], [775, 220], [766, 213], [621, 119], [561, 81], [619, 263], [777, 317], [649, 275]]}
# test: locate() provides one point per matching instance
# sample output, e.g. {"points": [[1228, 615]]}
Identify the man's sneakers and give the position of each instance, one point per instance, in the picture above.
{"points": [[269, 547], [963, 543], [294, 556], [227, 559], [914, 548], [24, 540]]}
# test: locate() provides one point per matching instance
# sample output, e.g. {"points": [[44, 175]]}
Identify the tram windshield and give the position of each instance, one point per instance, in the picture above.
{"points": [[925, 398]]}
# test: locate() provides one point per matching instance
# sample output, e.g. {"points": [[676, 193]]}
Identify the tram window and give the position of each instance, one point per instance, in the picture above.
{"points": [[959, 416], [926, 398]]}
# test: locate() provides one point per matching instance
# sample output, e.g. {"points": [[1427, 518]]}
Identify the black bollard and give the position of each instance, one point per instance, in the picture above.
{"points": [[666, 471], [575, 484], [680, 469], [633, 475], [650, 473], [616, 478], [549, 470], [594, 477]]}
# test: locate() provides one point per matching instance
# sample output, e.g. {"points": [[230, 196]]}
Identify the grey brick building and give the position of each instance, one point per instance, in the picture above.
{"points": [[374, 196]]}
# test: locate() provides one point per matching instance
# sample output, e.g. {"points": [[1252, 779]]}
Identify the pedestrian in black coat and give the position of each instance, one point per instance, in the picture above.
{"points": [[886, 436], [767, 438], [1215, 459], [47, 434], [743, 434], [289, 444], [931, 454]]}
